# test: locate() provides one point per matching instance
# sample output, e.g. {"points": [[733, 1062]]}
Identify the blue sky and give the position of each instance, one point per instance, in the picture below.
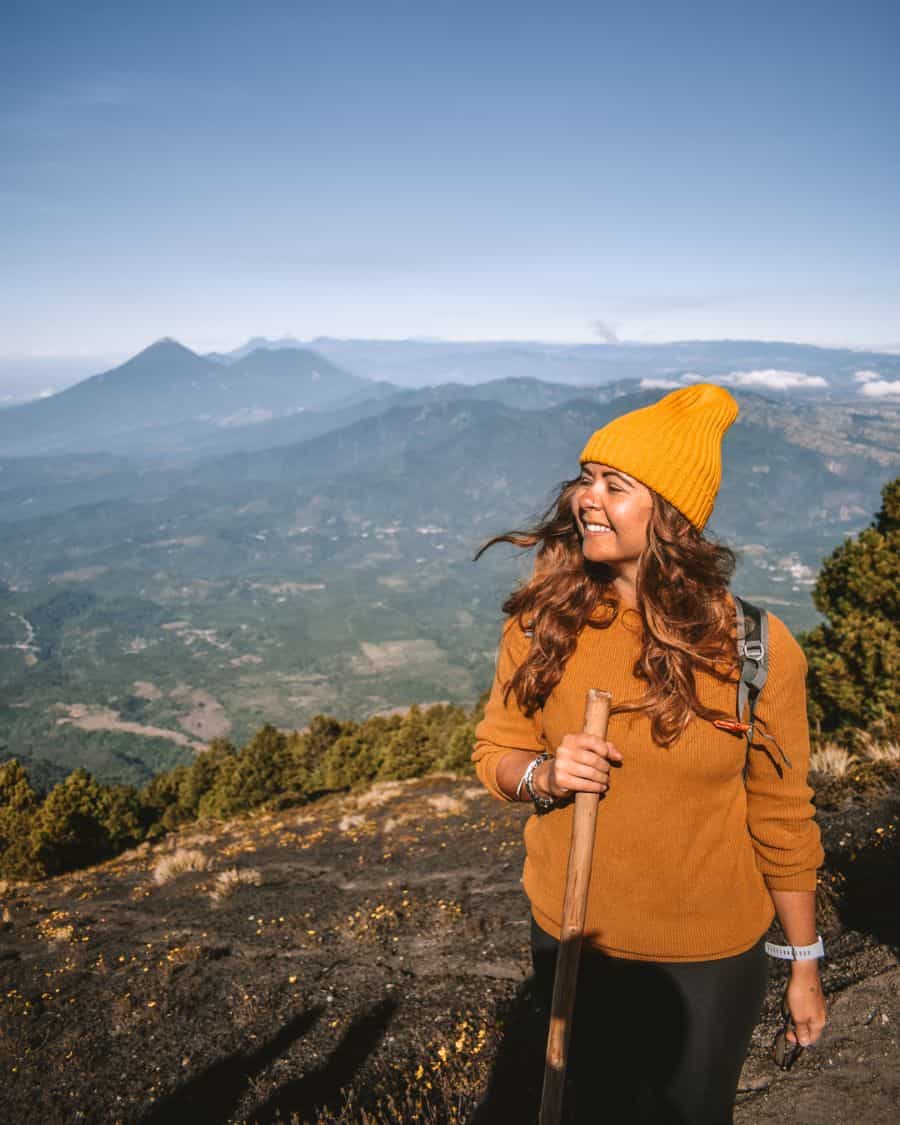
{"points": [[466, 170]]}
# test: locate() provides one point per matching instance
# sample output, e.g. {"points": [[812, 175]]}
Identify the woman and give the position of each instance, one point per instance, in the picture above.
{"points": [[691, 863]]}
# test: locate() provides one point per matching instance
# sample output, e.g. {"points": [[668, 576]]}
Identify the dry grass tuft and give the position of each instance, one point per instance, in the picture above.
{"points": [[832, 760], [228, 881], [878, 751], [349, 822], [184, 859], [444, 803], [379, 794], [393, 822]]}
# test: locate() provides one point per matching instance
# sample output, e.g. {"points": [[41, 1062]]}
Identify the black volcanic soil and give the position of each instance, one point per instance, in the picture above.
{"points": [[379, 972]]}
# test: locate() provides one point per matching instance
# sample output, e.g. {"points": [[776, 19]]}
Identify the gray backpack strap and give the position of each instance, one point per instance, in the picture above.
{"points": [[753, 652]]}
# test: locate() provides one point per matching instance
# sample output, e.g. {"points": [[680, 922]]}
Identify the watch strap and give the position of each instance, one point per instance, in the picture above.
{"points": [[797, 952]]}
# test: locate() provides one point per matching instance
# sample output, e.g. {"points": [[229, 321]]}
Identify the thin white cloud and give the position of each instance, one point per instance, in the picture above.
{"points": [[770, 377], [865, 376], [661, 384], [880, 388]]}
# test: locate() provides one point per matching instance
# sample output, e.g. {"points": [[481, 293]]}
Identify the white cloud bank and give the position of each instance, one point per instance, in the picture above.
{"points": [[880, 388], [769, 377]]}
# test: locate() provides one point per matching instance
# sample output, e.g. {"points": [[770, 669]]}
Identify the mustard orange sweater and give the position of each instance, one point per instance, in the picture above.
{"points": [[684, 853]]}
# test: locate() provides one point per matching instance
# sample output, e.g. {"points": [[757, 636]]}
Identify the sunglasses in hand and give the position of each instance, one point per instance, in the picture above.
{"points": [[784, 1052]]}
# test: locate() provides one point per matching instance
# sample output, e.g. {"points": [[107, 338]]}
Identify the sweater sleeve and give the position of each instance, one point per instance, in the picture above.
{"points": [[780, 811], [504, 727]]}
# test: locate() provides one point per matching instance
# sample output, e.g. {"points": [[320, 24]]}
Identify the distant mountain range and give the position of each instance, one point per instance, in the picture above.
{"points": [[170, 401], [750, 363], [167, 397], [753, 364]]}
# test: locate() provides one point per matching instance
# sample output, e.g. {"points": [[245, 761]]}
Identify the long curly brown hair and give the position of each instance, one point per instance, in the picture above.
{"points": [[682, 598]]}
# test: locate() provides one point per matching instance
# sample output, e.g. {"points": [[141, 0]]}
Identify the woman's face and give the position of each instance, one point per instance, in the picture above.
{"points": [[612, 511]]}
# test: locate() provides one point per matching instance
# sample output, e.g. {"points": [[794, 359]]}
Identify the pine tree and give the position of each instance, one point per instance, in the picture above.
{"points": [[125, 820], [353, 758], [255, 777], [203, 775], [161, 799], [310, 749], [853, 657], [457, 750], [18, 808], [410, 752], [69, 830]]}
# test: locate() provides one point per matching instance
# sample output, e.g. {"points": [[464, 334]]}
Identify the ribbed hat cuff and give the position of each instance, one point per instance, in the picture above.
{"points": [[686, 494]]}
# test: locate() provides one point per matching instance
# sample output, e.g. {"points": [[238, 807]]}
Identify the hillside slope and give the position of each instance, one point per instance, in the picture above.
{"points": [[384, 950]]}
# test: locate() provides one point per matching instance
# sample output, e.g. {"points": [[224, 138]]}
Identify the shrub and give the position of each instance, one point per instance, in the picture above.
{"points": [[228, 881], [181, 860]]}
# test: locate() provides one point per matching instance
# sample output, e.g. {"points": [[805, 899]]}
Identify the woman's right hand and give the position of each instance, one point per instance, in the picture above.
{"points": [[581, 764]]}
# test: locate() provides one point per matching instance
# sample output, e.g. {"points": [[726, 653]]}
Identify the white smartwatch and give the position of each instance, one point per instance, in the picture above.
{"points": [[797, 952]]}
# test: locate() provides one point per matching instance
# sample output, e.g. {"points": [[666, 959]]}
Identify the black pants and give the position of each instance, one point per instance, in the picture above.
{"points": [[655, 1042]]}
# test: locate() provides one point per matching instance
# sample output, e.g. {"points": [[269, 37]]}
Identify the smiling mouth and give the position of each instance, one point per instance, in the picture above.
{"points": [[593, 528]]}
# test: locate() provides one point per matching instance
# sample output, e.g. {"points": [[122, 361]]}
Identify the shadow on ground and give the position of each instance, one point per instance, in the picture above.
{"points": [[214, 1095]]}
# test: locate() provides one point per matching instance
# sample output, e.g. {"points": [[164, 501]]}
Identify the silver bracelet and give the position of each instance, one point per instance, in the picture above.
{"points": [[541, 804], [526, 776], [797, 952]]}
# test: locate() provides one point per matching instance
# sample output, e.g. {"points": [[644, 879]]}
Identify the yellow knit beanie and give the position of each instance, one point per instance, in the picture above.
{"points": [[673, 446]]}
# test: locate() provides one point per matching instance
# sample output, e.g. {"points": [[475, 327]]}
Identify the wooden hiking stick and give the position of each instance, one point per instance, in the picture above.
{"points": [[578, 874]]}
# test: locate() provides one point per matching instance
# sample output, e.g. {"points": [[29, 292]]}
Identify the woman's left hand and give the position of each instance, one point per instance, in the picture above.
{"points": [[806, 1003]]}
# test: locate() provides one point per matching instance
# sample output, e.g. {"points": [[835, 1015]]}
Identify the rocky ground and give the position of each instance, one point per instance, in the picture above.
{"points": [[378, 971]]}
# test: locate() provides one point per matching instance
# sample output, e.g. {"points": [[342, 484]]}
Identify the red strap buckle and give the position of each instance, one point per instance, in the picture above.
{"points": [[731, 725]]}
